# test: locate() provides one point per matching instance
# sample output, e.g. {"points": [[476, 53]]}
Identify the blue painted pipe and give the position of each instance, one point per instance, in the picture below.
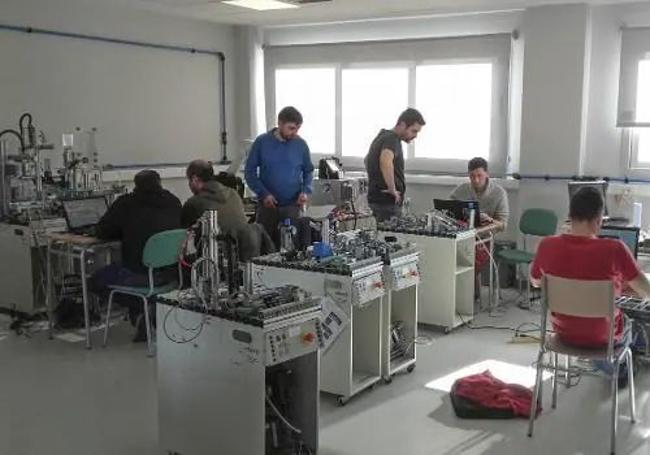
{"points": [[168, 47]]}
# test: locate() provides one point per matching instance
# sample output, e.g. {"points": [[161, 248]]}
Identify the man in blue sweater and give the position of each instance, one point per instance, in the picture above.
{"points": [[279, 170]]}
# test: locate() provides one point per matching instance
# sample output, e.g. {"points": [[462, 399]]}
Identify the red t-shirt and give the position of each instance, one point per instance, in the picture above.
{"points": [[585, 258]]}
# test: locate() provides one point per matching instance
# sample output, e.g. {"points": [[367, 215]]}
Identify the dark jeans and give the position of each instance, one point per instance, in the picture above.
{"points": [[271, 218], [626, 340], [118, 275], [384, 212]]}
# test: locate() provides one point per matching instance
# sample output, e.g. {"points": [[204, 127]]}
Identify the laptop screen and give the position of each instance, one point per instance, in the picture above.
{"points": [[458, 209], [81, 213], [628, 235]]}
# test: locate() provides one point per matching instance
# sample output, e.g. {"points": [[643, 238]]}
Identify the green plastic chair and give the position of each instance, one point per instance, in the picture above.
{"points": [[161, 250], [533, 222]]}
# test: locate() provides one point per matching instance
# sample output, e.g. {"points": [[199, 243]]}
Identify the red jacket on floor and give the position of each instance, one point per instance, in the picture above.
{"points": [[487, 393]]}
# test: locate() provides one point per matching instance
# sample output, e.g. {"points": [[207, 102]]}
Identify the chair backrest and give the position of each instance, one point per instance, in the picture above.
{"points": [[538, 222], [162, 249], [587, 299]]}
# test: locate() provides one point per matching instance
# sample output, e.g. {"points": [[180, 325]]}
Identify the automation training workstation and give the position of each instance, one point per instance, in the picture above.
{"points": [[246, 352]]}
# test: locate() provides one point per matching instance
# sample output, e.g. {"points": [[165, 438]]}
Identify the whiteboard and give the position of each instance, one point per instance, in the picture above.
{"points": [[148, 105]]}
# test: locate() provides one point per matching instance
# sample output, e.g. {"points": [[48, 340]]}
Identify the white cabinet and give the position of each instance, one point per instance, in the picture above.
{"points": [[446, 290]]}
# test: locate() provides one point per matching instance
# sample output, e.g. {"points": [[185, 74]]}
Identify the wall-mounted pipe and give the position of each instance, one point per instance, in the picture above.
{"points": [[545, 177], [167, 47]]}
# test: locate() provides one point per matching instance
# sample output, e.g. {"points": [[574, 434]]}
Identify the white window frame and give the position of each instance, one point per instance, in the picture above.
{"points": [[634, 167], [463, 50], [272, 109], [499, 119], [356, 162]]}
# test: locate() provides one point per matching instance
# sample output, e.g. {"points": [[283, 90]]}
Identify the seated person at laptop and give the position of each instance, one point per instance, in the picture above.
{"points": [[581, 255], [492, 198], [209, 194], [492, 202], [132, 219]]}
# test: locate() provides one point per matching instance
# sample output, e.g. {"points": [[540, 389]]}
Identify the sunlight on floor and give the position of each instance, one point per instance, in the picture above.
{"points": [[507, 372]]}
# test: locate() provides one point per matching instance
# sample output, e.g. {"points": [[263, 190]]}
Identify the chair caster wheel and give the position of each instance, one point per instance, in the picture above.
{"points": [[342, 401], [410, 368]]}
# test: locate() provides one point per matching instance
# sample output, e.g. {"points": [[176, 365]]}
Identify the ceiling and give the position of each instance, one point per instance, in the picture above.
{"points": [[333, 11]]}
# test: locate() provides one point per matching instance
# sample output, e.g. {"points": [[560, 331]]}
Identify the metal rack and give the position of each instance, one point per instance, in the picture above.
{"points": [[238, 382], [400, 312], [238, 370], [352, 363], [447, 251]]}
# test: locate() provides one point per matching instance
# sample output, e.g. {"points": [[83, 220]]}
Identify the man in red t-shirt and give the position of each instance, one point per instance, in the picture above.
{"points": [[581, 255]]}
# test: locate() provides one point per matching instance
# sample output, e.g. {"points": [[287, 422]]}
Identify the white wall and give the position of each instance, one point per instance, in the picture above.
{"points": [[396, 29], [148, 105], [552, 104], [606, 154]]}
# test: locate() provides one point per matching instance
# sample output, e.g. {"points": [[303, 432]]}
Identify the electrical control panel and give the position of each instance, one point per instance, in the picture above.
{"points": [[403, 276], [431, 224], [292, 341], [367, 289]]}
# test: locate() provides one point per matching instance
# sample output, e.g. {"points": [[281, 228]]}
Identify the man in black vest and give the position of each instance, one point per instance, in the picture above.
{"points": [[385, 165], [132, 219]]}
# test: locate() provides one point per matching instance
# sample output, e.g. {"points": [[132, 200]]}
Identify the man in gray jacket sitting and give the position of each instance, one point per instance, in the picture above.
{"points": [[492, 203], [492, 198], [212, 195]]}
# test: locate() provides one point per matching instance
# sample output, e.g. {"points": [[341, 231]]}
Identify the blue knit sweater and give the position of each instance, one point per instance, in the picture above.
{"points": [[283, 169]]}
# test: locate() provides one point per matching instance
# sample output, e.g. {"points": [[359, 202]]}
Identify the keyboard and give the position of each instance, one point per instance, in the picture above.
{"points": [[88, 231], [635, 308]]}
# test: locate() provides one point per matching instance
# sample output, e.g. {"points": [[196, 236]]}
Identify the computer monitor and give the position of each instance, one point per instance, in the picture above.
{"points": [[600, 185], [329, 168], [459, 210], [82, 213], [627, 234]]}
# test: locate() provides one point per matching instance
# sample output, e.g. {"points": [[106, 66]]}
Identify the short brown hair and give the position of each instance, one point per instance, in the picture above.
{"points": [[477, 163], [201, 169], [290, 114], [586, 205], [411, 116]]}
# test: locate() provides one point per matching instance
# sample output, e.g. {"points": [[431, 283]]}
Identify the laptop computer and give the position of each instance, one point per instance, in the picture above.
{"points": [[82, 215], [629, 235], [459, 210]]}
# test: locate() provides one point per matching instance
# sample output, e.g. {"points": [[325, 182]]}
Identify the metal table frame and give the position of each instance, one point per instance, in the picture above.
{"points": [[74, 251], [486, 236]]}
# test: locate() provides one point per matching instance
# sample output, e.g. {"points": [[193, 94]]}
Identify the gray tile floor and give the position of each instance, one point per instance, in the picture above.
{"points": [[56, 398]]}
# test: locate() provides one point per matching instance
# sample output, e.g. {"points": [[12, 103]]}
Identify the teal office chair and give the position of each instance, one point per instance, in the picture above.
{"points": [[161, 250], [533, 222]]}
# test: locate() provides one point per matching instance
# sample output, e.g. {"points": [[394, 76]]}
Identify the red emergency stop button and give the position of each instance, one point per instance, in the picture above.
{"points": [[414, 273], [379, 284], [308, 337]]}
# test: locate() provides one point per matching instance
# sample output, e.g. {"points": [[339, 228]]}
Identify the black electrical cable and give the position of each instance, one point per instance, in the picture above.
{"points": [[15, 133], [174, 340], [23, 117], [469, 325]]}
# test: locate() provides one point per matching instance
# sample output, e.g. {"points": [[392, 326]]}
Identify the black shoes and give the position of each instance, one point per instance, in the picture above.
{"points": [[141, 330]]}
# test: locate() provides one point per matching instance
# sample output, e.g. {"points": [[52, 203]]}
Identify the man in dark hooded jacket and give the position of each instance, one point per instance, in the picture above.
{"points": [[209, 194], [132, 219]]}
